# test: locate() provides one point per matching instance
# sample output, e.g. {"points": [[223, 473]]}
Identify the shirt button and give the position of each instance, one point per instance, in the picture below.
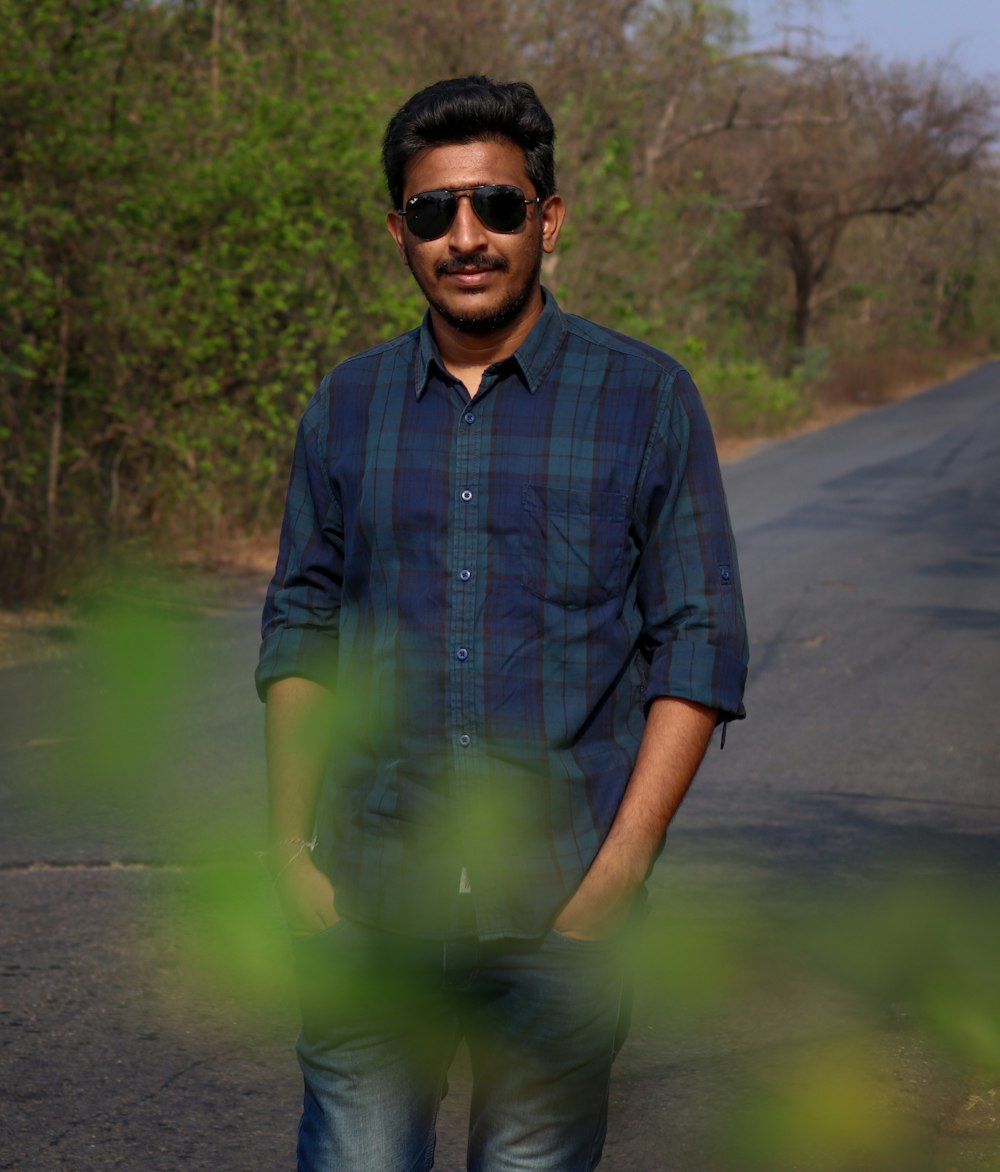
{"points": [[465, 739], [466, 495], [470, 417], [462, 653], [725, 574], [465, 575]]}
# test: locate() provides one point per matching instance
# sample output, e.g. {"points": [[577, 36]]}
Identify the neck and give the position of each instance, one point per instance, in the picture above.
{"points": [[466, 351]]}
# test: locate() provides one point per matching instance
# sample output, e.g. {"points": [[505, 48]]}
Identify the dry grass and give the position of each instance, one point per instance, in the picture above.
{"points": [[859, 383], [190, 581], [867, 379], [27, 636], [247, 555]]}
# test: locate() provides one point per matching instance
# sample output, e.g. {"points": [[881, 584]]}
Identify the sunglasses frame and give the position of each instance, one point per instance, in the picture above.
{"points": [[455, 193]]}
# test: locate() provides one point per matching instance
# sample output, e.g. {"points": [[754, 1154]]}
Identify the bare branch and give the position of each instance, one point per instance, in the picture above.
{"points": [[731, 123]]}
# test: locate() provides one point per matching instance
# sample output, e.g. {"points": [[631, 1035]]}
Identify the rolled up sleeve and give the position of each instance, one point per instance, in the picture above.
{"points": [[299, 627], [694, 629]]}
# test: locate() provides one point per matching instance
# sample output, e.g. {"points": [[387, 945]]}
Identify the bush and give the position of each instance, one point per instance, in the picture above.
{"points": [[742, 397]]}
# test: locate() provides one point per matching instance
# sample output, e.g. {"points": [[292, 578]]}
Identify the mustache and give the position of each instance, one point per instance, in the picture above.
{"points": [[472, 260]]}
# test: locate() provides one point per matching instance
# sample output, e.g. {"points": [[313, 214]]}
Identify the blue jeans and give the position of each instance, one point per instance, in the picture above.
{"points": [[382, 1016]]}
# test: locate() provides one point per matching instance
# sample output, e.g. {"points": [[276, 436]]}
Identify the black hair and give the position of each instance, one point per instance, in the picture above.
{"points": [[471, 109]]}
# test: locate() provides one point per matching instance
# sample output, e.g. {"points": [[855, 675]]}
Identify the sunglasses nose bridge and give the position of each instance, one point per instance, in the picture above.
{"points": [[466, 224]]}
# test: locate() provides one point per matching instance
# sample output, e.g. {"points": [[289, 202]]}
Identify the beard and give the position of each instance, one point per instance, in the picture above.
{"points": [[481, 322]]}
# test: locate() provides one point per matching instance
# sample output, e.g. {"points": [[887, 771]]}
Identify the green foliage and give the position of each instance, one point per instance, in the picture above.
{"points": [[188, 233], [743, 397]]}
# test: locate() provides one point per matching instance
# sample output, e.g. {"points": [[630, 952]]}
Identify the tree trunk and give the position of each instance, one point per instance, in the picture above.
{"points": [[216, 50], [55, 445], [802, 314], [801, 262]]}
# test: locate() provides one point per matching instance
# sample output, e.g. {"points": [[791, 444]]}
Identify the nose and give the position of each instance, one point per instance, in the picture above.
{"points": [[467, 233]]}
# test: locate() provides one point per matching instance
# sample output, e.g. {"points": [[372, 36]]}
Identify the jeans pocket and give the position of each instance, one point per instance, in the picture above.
{"points": [[604, 943], [328, 975]]}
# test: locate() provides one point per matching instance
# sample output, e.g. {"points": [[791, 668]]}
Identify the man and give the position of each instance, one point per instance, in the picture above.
{"points": [[506, 545]]}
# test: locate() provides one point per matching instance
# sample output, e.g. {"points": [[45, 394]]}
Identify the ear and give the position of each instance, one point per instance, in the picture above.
{"points": [[553, 214], [397, 229]]}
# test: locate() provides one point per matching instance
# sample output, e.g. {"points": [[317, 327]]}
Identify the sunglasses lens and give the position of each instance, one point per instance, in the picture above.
{"points": [[500, 207], [428, 215]]}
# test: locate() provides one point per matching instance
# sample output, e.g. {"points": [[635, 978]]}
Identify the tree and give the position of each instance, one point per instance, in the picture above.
{"points": [[867, 141], [188, 222]]}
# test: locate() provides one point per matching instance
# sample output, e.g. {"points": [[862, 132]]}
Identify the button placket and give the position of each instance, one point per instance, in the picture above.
{"points": [[462, 551]]}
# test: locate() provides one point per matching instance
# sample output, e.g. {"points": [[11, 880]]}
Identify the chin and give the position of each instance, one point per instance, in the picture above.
{"points": [[472, 319]]}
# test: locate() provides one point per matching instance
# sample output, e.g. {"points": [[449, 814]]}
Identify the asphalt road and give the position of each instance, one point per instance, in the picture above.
{"points": [[870, 554]]}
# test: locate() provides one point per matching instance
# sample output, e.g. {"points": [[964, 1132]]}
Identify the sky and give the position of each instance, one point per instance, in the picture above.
{"points": [[968, 30]]}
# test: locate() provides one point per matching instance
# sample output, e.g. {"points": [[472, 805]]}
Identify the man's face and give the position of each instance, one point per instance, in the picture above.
{"points": [[476, 279]]}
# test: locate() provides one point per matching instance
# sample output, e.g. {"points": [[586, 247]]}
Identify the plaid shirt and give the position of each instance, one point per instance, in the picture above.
{"points": [[506, 582]]}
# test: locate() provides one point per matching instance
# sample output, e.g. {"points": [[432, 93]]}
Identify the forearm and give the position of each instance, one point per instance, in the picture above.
{"points": [[298, 726], [673, 745]]}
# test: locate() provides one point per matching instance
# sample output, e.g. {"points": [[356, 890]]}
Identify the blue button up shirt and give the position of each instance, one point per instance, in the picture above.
{"points": [[507, 582]]}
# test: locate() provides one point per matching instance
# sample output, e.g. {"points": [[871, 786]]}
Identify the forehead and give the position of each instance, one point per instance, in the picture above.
{"points": [[466, 165]]}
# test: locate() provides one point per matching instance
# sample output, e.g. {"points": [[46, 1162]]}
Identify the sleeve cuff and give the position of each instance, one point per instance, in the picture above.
{"points": [[698, 672], [306, 652]]}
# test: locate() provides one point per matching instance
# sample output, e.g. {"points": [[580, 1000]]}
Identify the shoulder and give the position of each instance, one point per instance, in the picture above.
{"points": [[639, 358], [356, 378], [369, 366], [629, 370]]}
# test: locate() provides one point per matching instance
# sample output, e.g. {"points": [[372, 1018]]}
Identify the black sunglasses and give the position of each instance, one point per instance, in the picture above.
{"points": [[501, 207]]}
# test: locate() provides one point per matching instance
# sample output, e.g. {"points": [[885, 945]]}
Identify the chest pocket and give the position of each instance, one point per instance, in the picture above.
{"points": [[573, 545]]}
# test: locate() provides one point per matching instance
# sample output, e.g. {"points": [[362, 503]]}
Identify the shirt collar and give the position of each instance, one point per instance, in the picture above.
{"points": [[533, 357]]}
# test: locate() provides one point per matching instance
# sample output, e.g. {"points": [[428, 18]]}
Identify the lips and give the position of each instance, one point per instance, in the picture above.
{"points": [[470, 277]]}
